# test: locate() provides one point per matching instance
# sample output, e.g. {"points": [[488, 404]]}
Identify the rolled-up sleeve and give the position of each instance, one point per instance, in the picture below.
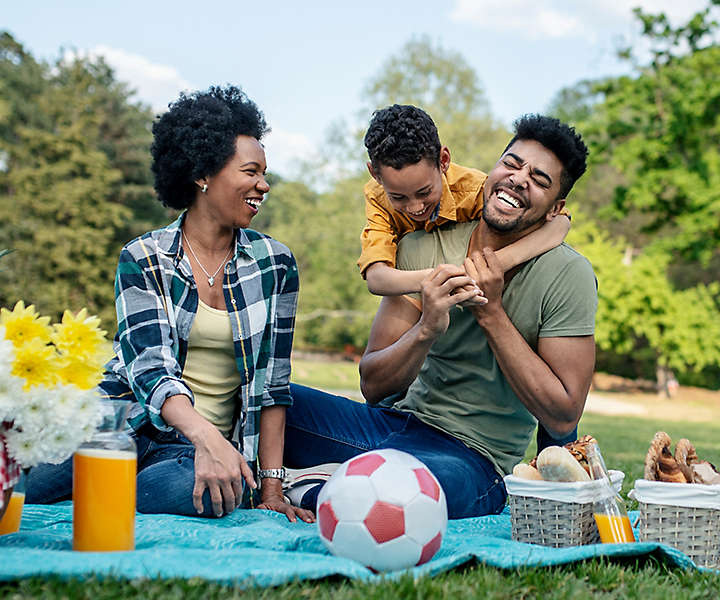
{"points": [[145, 337], [277, 380]]}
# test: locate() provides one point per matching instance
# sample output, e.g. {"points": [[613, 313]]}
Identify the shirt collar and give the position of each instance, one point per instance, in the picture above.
{"points": [[169, 240], [446, 208]]}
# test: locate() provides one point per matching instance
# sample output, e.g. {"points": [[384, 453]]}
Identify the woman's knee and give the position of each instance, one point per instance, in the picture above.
{"points": [[167, 487]]}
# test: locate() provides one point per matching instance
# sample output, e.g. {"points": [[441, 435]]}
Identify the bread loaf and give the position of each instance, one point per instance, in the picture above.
{"points": [[557, 464]]}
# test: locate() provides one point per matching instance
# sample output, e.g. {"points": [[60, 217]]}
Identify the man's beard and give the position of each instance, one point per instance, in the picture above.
{"points": [[520, 223]]}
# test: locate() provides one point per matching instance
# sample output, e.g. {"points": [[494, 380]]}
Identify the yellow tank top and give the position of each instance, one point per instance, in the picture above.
{"points": [[210, 368]]}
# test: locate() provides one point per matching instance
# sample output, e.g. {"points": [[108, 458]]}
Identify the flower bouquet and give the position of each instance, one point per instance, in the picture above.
{"points": [[48, 374]]}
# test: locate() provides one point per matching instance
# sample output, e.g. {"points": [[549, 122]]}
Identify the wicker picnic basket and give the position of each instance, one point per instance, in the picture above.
{"points": [[538, 516], [694, 530]]}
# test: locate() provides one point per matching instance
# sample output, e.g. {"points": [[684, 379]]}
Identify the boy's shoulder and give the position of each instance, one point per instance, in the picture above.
{"points": [[462, 178], [373, 190]]}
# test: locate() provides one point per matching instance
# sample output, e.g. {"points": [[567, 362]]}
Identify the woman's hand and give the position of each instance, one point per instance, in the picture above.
{"points": [[220, 468], [273, 499]]}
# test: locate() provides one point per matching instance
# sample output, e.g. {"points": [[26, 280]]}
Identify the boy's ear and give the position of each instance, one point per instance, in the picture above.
{"points": [[444, 159], [555, 210], [373, 173]]}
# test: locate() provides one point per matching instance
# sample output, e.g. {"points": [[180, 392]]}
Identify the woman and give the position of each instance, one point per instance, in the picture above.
{"points": [[206, 310]]}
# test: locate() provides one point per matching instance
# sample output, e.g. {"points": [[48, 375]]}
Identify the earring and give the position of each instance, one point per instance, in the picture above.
{"points": [[203, 189]]}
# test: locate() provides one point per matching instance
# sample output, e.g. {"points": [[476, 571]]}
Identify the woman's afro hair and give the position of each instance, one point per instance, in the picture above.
{"points": [[196, 137]]}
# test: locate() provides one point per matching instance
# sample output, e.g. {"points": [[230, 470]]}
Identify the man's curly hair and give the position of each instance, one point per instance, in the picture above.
{"points": [[401, 135], [559, 137], [196, 137]]}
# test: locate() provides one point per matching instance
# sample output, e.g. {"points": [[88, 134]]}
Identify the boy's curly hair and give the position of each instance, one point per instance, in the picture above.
{"points": [[401, 135], [196, 137]]}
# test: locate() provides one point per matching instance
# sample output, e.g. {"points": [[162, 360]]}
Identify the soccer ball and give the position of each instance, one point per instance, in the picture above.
{"points": [[384, 509]]}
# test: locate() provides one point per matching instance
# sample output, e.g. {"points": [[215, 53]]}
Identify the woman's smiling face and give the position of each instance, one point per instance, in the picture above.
{"points": [[235, 193]]}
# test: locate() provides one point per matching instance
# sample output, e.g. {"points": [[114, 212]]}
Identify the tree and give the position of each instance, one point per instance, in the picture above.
{"points": [[442, 83], [661, 130], [323, 230], [74, 183], [641, 316]]}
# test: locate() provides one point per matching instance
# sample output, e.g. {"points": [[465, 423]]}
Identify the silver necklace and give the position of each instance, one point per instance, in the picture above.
{"points": [[210, 278]]}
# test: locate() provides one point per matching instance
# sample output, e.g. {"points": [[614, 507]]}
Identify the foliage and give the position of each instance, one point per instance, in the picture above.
{"points": [[439, 81], [323, 230], [75, 179], [661, 130], [641, 315], [442, 83]]}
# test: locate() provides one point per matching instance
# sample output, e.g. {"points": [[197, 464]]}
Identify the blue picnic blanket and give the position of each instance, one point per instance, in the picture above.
{"points": [[261, 548]]}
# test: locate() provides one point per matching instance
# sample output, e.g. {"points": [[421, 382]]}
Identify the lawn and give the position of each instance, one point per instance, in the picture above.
{"points": [[624, 441]]}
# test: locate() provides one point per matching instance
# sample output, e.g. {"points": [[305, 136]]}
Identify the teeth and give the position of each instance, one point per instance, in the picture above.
{"points": [[254, 202], [505, 197]]}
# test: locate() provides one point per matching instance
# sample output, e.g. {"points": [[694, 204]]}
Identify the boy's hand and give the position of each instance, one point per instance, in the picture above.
{"points": [[445, 288], [478, 300]]}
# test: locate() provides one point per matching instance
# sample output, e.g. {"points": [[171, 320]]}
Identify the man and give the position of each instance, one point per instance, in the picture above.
{"points": [[478, 378]]}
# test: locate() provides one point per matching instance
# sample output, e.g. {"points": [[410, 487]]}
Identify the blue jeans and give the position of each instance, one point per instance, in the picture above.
{"points": [[165, 478], [324, 428]]}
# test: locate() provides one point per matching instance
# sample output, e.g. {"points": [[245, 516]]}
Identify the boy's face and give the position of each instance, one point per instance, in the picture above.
{"points": [[414, 190]]}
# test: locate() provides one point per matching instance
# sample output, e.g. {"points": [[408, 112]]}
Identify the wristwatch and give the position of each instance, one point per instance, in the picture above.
{"points": [[272, 473]]}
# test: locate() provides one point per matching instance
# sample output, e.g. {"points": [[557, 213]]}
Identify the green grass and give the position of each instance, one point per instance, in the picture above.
{"points": [[341, 375], [624, 442]]}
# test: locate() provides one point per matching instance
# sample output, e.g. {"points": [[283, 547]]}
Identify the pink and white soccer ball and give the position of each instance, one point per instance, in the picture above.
{"points": [[384, 509]]}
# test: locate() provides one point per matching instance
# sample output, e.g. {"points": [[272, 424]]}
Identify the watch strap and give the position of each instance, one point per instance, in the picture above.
{"points": [[272, 473]]}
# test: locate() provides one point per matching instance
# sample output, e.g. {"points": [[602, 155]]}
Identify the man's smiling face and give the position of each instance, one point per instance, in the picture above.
{"points": [[522, 189]]}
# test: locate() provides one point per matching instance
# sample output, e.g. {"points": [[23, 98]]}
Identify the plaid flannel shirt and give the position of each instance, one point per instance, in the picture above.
{"points": [[156, 301]]}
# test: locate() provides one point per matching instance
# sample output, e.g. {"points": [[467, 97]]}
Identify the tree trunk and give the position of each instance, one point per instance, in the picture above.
{"points": [[666, 382]]}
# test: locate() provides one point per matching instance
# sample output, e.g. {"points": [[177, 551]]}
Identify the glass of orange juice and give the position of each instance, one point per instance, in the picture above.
{"points": [[10, 522], [104, 472]]}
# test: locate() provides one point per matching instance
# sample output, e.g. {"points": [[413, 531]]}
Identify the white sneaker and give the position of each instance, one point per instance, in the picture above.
{"points": [[310, 475]]}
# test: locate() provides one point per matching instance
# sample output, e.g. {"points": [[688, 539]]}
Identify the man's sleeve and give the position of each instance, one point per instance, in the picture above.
{"points": [[570, 303]]}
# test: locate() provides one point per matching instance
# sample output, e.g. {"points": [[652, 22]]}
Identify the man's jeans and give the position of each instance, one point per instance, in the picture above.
{"points": [[165, 480], [323, 428]]}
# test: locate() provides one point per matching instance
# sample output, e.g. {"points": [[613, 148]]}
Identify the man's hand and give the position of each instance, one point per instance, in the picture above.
{"points": [[446, 286], [486, 271], [220, 468]]}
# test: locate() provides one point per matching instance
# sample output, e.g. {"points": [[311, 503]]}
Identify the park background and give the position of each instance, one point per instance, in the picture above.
{"points": [[78, 94], [75, 182]]}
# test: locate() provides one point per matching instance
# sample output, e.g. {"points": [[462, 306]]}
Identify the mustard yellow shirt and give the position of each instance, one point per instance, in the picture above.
{"points": [[461, 202], [210, 368]]}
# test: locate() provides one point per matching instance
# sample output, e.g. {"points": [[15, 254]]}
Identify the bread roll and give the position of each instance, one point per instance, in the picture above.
{"points": [[525, 471], [557, 464]]}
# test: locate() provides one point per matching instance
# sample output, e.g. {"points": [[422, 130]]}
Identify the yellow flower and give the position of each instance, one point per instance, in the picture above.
{"points": [[24, 324], [83, 373], [36, 363], [78, 336]]}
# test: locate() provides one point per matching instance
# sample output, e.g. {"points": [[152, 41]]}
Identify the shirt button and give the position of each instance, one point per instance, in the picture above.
{"points": [[233, 302]]}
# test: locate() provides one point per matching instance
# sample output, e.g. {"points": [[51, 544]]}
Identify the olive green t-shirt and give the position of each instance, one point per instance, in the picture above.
{"points": [[460, 388]]}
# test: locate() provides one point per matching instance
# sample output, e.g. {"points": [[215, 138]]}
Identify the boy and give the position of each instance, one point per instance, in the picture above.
{"points": [[431, 191]]}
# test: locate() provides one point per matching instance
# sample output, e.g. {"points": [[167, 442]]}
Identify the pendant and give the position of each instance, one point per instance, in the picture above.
{"points": [[211, 280]]}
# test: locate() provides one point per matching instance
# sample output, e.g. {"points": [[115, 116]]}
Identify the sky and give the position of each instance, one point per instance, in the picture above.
{"points": [[306, 63]]}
